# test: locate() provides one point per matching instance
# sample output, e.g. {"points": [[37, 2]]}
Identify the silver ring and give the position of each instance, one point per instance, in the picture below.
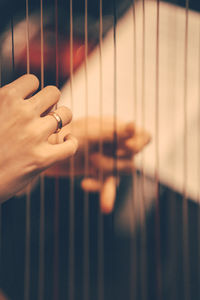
{"points": [[58, 119]]}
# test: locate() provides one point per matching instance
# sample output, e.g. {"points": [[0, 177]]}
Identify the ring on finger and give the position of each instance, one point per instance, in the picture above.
{"points": [[58, 120]]}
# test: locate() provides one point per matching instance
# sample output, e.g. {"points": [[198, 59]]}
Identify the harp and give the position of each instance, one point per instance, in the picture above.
{"points": [[143, 66]]}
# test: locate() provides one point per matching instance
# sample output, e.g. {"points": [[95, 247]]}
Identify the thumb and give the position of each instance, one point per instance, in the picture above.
{"points": [[107, 191], [91, 185], [108, 194]]}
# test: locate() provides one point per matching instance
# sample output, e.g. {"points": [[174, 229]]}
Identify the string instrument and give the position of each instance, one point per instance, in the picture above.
{"points": [[139, 62]]}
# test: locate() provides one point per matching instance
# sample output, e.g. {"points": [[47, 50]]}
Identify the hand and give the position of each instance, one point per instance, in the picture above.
{"points": [[26, 127], [2, 296], [96, 145]]}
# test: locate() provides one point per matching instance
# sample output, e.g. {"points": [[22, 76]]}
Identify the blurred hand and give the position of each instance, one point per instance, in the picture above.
{"points": [[104, 153], [2, 296], [25, 129]]}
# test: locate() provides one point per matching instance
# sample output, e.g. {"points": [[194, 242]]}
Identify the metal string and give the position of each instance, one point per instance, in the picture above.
{"points": [[28, 192], [143, 258], [56, 209], [0, 203], [198, 170], [115, 172], [133, 242], [71, 272], [27, 246], [86, 266], [27, 39], [173, 222], [100, 216], [186, 275], [42, 187], [157, 194], [13, 44]]}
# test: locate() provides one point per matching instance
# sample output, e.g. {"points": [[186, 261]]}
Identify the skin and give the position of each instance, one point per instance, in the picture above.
{"points": [[33, 147], [26, 129], [2, 296], [96, 138]]}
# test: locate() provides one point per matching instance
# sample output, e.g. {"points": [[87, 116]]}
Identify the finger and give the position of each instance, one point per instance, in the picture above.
{"points": [[124, 153], [118, 149], [108, 195], [91, 185], [97, 129], [24, 86], [126, 131], [123, 131], [60, 136], [49, 122], [64, 150], [45, 99], [107, 164], [138, 142]]}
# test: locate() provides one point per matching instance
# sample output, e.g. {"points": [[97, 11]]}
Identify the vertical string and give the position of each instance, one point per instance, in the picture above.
{"points": [[42, 188], [28, 192], [100, 216], [71, 209], [86, 169], [0, 203], [115, 130], [134, 60], [27, 246], [56, 35], [13, 44], [56, 209], [133, 244], [143, 260], [157, 200], [56, 242], [115, 86], [27, 39], [186, 275], [171, 211], [198, 170]]}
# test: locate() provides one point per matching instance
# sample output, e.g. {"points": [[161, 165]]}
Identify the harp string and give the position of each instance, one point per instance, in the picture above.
{"points": [[28, 191], [198, 166], [71, 272], [13, 44], [56, 203], [173, 223], [157, 193], [133, 243], [115, 172], [27, 245], [0, 203], [27, 39], [56, 241], [42, 187], [86, 267], [143, 262], [186, 269], [115, 89], [100, 216], [56, 36]]}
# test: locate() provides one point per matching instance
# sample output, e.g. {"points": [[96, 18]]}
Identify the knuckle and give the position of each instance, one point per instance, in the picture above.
{"points": [[11, 92]]}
